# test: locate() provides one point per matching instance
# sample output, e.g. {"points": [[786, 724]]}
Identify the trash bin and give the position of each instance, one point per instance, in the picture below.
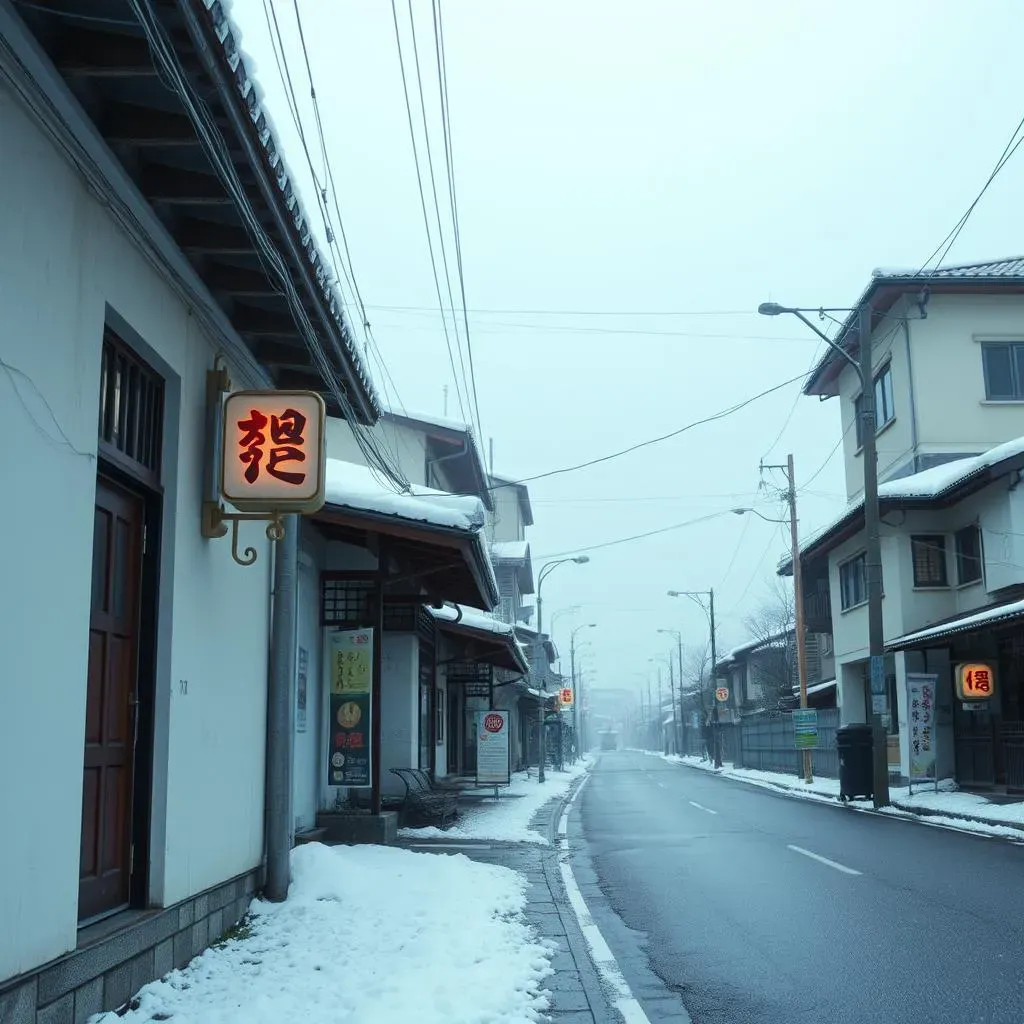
{"points": [[856, 775]]}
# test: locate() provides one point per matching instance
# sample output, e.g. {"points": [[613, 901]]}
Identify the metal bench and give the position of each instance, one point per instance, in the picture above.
{"points": [[424, 803], [464, 790]]}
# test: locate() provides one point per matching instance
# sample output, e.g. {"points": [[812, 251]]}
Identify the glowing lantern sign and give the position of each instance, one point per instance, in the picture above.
{"points": [[273, 458], [975, 681]]}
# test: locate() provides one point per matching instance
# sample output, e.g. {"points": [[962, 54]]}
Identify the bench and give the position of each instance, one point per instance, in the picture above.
{"points": [[463, 790], [422, 801]]}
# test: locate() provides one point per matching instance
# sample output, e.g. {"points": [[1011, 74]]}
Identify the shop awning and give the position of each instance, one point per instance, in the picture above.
{"points": [[434, 537], [488, 639], [973, 622]]}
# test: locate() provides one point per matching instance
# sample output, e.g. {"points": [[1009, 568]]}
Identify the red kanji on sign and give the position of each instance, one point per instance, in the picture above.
{"points": [[975, 681]]}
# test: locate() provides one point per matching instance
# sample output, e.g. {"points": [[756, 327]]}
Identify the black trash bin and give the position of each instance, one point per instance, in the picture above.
{"points": [[856, 775]]}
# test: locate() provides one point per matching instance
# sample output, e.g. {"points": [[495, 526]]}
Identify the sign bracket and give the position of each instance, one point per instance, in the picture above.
{"points": [[215, 524]]}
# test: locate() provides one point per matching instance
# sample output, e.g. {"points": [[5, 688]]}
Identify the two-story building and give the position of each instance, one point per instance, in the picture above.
{"points": [[949, 396]]}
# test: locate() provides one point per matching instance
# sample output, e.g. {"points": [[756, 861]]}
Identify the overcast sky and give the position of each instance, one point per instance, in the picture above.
{"points": [[674, 164]]}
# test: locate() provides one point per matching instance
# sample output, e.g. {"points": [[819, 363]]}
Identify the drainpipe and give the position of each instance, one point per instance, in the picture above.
{"points": [[280, 704], [913, 402], [431, 463]]}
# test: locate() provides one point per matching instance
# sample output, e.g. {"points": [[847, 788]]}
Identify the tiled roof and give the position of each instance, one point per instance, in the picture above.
{"points": [[1010, 266], [251, 96]]}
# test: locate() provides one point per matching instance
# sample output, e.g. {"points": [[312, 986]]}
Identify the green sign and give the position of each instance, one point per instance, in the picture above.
{"points": [[805, 729]]}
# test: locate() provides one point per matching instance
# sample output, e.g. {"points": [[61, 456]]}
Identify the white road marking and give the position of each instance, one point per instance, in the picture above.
{"points": [[600, 952], [823, 860], [701, 807]]}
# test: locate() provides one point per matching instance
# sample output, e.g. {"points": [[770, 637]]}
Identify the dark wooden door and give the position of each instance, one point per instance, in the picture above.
{"points": [[111, 703]]}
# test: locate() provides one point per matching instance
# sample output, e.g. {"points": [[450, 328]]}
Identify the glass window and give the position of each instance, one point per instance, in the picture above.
{"points": [[1004, 371], [884, 407], [968, 554], [929, 555], [853, 584]]}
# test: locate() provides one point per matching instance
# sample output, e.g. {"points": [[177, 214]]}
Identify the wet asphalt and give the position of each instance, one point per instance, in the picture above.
{"points": [[746, 906]]}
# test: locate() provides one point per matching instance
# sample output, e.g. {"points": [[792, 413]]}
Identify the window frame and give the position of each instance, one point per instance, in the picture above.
{"points": [[879, 380], [1015, 349], [862, 558], [929, 539], [959, 558]]}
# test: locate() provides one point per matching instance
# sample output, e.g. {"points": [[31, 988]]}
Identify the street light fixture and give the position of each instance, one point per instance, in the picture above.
{"points": [[873, 554], [545, 571], [695, 596], [760, 515]]}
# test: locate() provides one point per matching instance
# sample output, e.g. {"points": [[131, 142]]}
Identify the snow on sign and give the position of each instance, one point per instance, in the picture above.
{"points": [[492, 749], [975, 681], [722, 694], [273, 457]]}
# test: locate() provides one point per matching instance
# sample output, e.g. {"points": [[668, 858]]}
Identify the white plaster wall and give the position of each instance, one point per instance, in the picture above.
{"points": [[505, 522], [63, 261], [948, 381], [406, 445], [399, 697]]}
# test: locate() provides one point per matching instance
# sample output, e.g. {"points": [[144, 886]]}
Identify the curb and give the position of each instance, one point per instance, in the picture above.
{"points": [[918, 812], [559, 807]]}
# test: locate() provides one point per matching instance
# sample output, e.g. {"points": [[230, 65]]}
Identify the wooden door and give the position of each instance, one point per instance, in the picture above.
{"points": [[111, 702]]}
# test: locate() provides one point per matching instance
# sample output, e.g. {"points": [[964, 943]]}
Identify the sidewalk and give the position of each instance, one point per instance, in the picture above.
{"points": [[949, 806], [573, 989]]}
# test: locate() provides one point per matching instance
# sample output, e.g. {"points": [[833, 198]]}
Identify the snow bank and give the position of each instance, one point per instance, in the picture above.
{"points": [[508, 818], [369, 935]]}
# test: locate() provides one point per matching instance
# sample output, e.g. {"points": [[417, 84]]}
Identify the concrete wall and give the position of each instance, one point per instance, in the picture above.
{"points": [[399, 705], [68, 269], [945, 371]]}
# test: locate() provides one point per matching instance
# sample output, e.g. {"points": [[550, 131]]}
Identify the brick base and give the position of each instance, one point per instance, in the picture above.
{"points": [[105, 974]]}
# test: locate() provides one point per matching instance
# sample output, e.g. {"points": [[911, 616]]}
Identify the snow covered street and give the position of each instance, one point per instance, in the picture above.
{"points": [[368, 935], [508, 819]]}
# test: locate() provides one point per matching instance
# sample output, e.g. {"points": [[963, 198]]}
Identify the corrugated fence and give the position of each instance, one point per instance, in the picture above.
{"points": [[765, 742]]}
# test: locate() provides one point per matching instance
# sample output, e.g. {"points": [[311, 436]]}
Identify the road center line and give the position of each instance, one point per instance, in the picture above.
{"points": [[823, 860], [701, 807]]}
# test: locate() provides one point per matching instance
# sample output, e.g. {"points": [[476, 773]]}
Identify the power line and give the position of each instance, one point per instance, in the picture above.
{"points": [[637, 536], [423, 207], [578, 312], [654, 440], [449, 154], [1008, 150]]}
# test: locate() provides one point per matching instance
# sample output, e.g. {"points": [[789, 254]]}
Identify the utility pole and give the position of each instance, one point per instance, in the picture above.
{"points": [[675, 709], [873, 561], [798, 599], [660, 709], [714, 661], [650, 706]]}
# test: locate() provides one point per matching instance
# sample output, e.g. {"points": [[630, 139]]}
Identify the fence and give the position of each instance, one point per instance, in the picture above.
{"points": [[766, 742]]}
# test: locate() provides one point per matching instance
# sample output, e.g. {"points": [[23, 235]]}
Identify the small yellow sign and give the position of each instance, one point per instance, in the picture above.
{"points": [[975, 681]]}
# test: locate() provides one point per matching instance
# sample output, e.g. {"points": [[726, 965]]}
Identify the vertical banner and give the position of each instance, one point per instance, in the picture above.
{"points": [[351, 675], [492, 753], [805, 729], [302, 690], [921, 690]]}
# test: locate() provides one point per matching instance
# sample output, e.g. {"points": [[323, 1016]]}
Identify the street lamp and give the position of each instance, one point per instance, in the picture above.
{"points": [[572, 676], [873, 553], [695, 596], [545, 571]]}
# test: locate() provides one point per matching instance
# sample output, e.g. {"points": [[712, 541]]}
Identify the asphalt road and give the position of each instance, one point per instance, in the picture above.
{"points": [[757, 907]]}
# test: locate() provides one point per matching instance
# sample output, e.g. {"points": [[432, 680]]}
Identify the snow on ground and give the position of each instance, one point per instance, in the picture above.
{"points": [[508, 818], [368, 934], [950, 807]]}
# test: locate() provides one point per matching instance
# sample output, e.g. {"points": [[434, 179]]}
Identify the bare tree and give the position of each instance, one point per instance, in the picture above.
{"points": [[772, 666]]}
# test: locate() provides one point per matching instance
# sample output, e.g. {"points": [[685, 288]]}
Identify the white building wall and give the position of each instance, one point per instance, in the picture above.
{"points": [[945, 370], [505, 521], [399, 706], [64, 261], [404, 443]]}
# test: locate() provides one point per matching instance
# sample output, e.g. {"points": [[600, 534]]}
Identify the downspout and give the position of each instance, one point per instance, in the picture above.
{"points": [[431, 463], [280, 705], [913, 402]]}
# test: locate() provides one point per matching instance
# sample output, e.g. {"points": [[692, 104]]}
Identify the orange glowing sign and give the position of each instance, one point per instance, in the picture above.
{"points": [[975, 681], [274, 457], [566, 696]]}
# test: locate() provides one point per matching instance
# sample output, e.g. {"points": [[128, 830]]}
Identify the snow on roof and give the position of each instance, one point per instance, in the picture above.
{"points": [[818, 687], [474, 618], [511, 550], [964, 624], [1010, 266], [928, 485], [429, 419], [350, 485]]}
